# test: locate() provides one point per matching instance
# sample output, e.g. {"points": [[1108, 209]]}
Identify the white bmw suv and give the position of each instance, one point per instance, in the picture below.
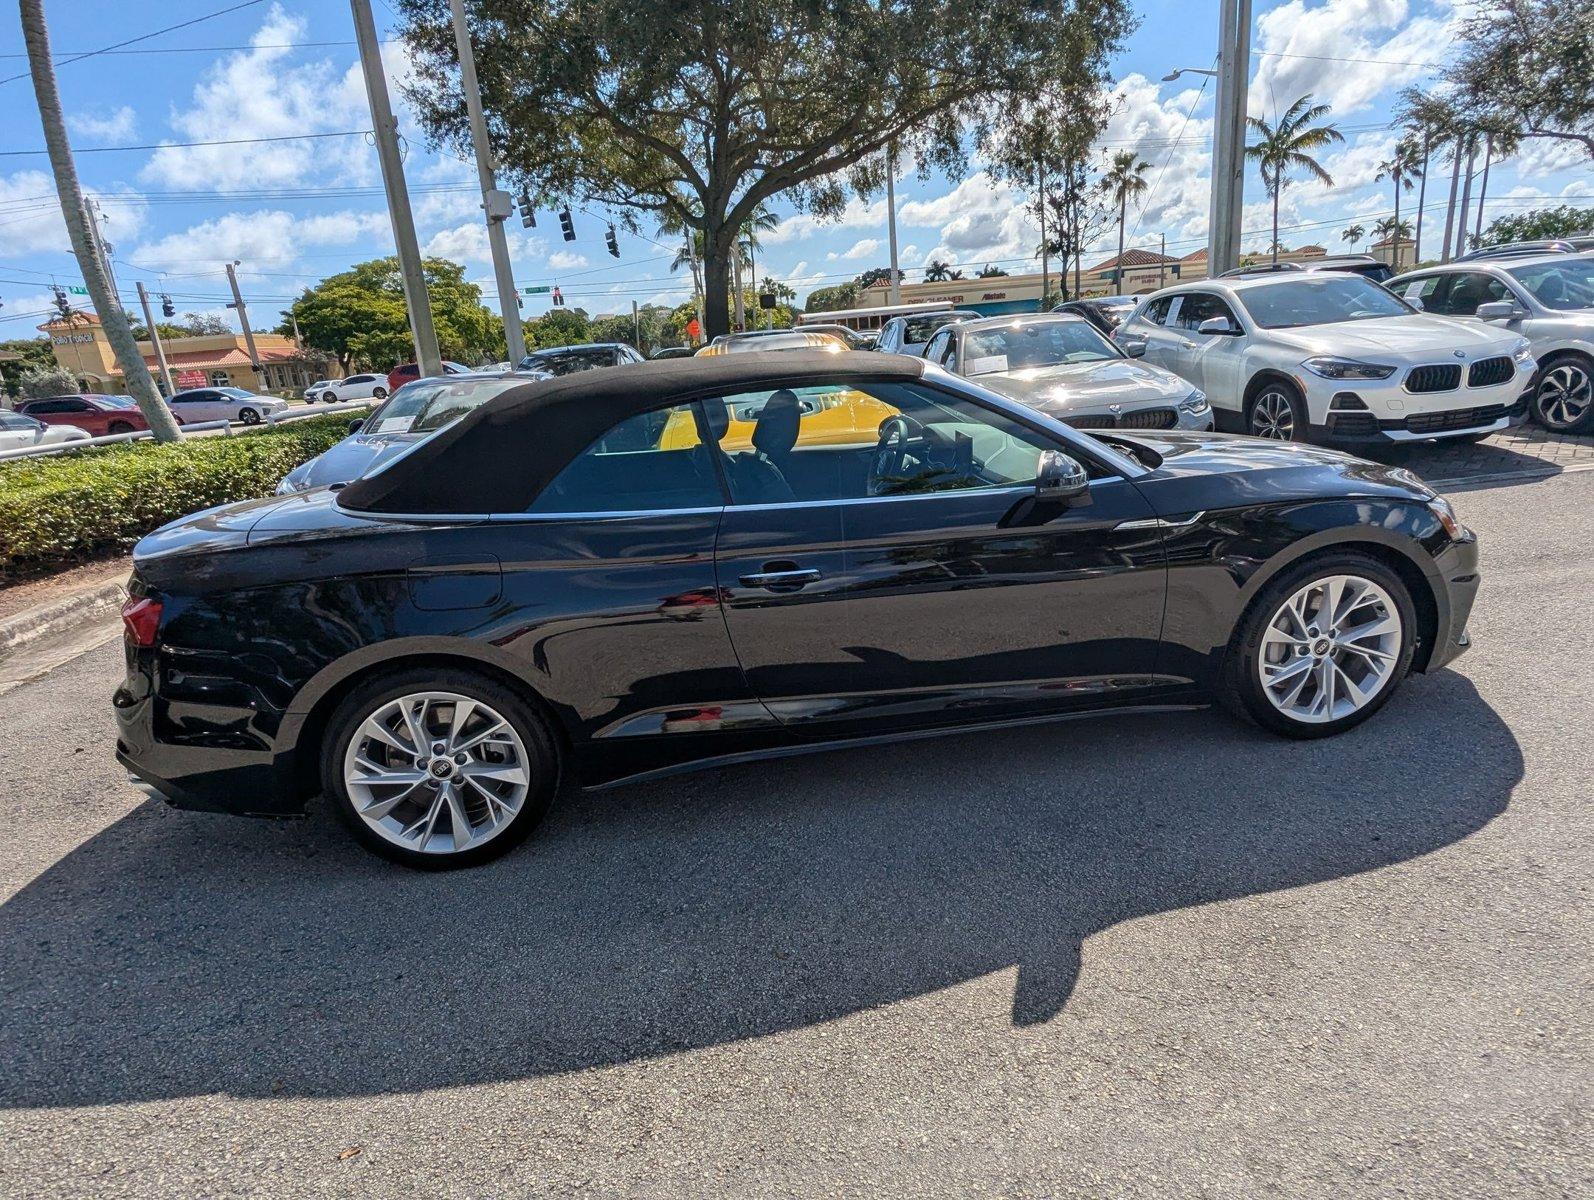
{"points": [[1333, 358]]}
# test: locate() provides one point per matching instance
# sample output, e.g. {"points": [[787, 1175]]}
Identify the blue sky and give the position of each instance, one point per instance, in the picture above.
{"points": [[293, 211]]}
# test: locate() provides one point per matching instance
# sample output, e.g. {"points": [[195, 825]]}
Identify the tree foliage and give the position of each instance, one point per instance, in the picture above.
{"points": [[1285, 147], [30, 352], [705, 113], [38, 382], [359, 316], [1561, 221], [829, 299]]}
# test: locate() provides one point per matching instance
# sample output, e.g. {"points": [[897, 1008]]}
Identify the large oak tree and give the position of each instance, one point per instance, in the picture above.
{"points": [[698, 114]]}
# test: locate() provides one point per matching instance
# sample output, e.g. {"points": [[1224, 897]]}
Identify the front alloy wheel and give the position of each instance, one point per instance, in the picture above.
{"points": [[1564, 397], [1273, 415], [1330, 649]]}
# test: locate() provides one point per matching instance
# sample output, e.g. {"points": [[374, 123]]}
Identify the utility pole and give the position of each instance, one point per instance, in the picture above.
{"points": [[1162, 265], [495, 203], [243, 317], [385, 127], [1228, 157], [113, 319], [155, 339], [91, 216], [894, 291], [1040, 187]]}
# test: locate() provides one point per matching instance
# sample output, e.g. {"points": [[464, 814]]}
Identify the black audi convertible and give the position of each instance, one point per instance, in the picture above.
{"points": [[618, 573]]}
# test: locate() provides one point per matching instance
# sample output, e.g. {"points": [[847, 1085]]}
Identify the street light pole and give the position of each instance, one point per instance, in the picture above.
{"points": [[385, 127], [495, 203], [1228, 134], [894, 292]]}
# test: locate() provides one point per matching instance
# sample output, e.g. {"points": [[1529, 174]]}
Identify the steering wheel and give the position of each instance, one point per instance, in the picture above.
{"points": [[890, 454]]}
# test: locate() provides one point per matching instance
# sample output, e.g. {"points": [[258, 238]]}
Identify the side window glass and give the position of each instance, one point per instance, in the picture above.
{"points": [[936, 346], [654, 461], [1468, 290], [949, 352], [851, 442], [1157, 311]]}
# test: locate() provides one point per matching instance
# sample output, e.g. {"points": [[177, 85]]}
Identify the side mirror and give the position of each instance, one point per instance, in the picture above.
{"points": [[356, 425], [1134, 347], [1497, 310], [1216, 326], [1059, 479]]}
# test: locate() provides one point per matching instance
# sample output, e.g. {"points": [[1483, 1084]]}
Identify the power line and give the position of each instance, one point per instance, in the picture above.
{"points": [[143, 37], [286, 137]]}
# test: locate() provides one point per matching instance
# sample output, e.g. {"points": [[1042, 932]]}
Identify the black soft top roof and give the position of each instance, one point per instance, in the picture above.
{"points": [[499, 457]]}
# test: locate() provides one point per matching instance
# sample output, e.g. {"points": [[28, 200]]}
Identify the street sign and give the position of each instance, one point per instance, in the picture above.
{"points": [[693, 329], [76, 290], [537, 291]]}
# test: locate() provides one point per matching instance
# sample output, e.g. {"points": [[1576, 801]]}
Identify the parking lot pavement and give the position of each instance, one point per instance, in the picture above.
{"points": [[1525, 451], [1160, 955]]}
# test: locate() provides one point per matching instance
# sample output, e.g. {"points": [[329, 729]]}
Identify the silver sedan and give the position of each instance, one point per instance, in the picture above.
{"points": [[1061, 365]]}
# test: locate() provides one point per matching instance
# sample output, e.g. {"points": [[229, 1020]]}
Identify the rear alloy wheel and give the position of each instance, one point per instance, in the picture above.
{"points": [[439, 769], [249, 416], [1276, 414], [1563, 399], [1324, 646]]}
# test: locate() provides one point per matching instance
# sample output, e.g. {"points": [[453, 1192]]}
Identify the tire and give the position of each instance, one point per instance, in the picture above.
{"points": [[249, 416], [1251, 646], [406, 804], [1563, 394], [379, 393], [119, 427], [1276, 411]]}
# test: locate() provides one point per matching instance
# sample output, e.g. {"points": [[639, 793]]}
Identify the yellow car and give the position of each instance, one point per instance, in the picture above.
{"points": [[780, 339], [832, 415]]}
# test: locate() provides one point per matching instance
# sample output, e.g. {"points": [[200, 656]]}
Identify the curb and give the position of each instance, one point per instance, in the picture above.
{"points": [[61, 615]]}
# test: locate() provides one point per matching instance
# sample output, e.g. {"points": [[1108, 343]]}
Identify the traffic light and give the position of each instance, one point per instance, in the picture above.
{"points": [[528, 217], [62, 308], [612, 242], [168, 309], [558, 297], [566, 226]]}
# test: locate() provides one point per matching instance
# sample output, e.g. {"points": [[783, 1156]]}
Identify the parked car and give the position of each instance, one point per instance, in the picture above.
{"points": [[1061, 365], [781, 339], [367, 386], [672, 352], [566, 360], [96, 415], [1364, 265], [313, 392], [851, 338], [909, 334], [404, 372], [560, 589], [1334, 358], [411, 414], [1106, 313], [1546, 298], [19, 432], [223, 404], [1576, 244]]}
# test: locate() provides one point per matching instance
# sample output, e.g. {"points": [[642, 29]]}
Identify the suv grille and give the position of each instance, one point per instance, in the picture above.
{"points": [[1487, 372], [1151, 418], [1443, 377], [1461, 418]]}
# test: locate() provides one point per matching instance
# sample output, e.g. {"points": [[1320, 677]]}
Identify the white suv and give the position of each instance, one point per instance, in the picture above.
{"points": [[1329, 357], [1548, 299]]}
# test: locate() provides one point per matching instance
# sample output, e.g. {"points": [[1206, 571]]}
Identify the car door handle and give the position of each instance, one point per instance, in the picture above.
{"points": [[781, 581]]}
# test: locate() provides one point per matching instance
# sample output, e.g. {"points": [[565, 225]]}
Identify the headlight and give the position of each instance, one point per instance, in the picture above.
{"points": [[289, 485], [1195, 403], [1522, 351], [1347, 368], [1441, 508]]}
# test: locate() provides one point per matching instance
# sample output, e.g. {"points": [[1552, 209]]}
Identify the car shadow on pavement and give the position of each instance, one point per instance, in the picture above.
{"points": [[178, 954], [1452, 461]]}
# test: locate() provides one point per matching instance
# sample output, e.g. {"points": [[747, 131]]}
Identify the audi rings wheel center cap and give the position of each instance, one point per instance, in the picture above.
{"points": [[1321, 647], [442, 768]]}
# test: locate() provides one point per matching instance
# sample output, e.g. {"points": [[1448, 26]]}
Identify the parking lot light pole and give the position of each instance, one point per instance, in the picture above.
{"points": [[1228, 134], [894, 292], [495, 203]]}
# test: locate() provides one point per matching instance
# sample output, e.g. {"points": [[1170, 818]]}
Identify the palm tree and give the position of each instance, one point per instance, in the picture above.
{"points": [[1391, 227], [1283, 148], [938, 271], [1353, 234], [113, 318], [1125, 180], [1402, 168]]}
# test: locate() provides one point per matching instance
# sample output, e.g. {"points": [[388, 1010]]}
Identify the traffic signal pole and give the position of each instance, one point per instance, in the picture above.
{"points": [[385, 128], [155, 340], [495, 203]]}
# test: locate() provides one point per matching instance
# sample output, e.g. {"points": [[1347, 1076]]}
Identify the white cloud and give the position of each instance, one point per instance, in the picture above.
{"points": [[117, 126], [265, 238], [33, 223], [856, 215], [863, 248], [566, 260], [467, 243], [980, 219]]}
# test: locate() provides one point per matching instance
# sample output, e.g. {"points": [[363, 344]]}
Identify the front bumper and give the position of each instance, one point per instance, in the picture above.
{"points": [[1358, 428], [1455, 594], [1383, 412]]}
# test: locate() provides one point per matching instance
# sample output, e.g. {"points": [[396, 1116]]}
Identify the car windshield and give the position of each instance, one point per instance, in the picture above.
{"points": [[568, 362], [1566, 284], [1325, 299], [919, 329], [427, 405], [1024, 344], [1116, 312]]}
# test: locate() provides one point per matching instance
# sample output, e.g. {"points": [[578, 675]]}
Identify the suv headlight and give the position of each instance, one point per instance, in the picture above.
{"points": [[1522, 351], [1330, 367], [1195, 403]]}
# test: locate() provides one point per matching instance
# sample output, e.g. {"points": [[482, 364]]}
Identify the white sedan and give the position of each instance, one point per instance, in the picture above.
{"points": [[313, 392], [18, 432], [1332, 358], [223, 404], [356, 387]]}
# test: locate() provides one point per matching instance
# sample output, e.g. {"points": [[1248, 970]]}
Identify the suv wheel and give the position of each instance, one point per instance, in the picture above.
{"points": [[439, 768], [119, 427], [1323, 646], [1276, 412], [1563, 397]]}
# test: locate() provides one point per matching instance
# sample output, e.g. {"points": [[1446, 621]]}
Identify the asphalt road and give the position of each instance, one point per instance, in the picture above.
{"points": [[1154, 956]]}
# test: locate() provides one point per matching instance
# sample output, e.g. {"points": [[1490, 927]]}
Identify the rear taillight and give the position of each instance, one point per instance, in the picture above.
{"points": [[141, 616]]}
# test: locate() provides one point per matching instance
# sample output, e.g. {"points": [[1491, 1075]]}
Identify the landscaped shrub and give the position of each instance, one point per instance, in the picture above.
{"points": [[58, 510]]}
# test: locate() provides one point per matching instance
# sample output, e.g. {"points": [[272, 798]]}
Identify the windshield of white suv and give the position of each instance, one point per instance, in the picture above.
{"points": [[1565, 284], [1033, 344], [427, 405], [1321, 300]]}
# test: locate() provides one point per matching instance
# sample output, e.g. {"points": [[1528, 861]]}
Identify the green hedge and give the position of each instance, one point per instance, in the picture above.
{"points": [[58, 510]]}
